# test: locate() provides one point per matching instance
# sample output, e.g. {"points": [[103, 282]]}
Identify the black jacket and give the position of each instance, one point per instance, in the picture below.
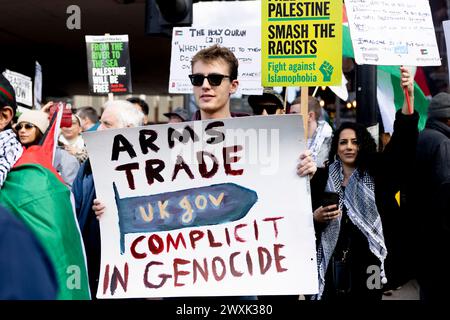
{"points": [[390, 170], [26, 272], [430, 206]]}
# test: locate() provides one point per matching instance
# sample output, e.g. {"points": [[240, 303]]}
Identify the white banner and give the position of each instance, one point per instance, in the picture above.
{"points": [[244, 42], [394, 32], [204, 208]]}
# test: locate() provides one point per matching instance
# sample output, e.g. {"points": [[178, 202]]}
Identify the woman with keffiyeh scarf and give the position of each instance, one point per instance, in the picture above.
{"points": [[351, 244]]}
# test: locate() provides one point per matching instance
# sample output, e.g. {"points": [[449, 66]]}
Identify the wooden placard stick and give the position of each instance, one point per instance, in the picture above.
{"points": [[110, 94], [304, 109]]}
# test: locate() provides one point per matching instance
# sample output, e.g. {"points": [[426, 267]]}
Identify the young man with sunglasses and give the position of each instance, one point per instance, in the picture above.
{"points": [[214, 77]]}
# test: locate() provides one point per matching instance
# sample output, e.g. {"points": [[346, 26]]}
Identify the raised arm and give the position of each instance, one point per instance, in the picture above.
{"points": [[398, 154], [407, 82]]}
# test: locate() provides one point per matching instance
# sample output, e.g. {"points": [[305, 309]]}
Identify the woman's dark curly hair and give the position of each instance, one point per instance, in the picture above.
{"points": [[367, 147]]}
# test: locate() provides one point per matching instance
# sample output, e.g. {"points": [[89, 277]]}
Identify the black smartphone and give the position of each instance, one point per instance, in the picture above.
{"points": [[330, 198]]}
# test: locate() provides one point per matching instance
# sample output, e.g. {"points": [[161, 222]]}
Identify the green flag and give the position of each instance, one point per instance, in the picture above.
{"points": [[35, 195]]}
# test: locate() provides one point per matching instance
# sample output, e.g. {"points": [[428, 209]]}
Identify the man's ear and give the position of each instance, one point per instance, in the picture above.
{"points": [[234, 86], [6, 115]]}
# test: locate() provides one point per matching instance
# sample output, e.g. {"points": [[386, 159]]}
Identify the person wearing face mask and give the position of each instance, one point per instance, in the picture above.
{"points": [[351, 243]]}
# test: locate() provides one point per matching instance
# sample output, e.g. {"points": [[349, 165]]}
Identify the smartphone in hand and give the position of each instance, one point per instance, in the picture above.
{"points": [[330, 198]]}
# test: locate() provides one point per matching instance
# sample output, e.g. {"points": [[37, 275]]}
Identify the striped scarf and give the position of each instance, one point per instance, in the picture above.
{"points": [[10, 152], [359, 199]]}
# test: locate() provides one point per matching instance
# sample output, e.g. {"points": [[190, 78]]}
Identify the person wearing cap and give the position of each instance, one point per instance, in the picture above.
{"points": [[430, 202], [31, 127], [177, 115], [10, 147], [269, 102]]}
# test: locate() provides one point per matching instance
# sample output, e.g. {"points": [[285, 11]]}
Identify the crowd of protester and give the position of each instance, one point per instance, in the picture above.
{"points": [[364, 225]]}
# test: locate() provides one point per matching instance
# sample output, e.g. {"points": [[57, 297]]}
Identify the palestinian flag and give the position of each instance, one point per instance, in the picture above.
{"points": [[390, 94], [35, 193]]}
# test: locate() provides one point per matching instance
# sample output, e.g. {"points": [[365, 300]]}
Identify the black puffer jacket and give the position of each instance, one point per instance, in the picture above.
{"points": [[430, 206]]}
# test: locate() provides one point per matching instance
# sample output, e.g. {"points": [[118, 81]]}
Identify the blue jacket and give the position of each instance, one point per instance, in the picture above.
{"points": [[84, 193], [26, 272]]}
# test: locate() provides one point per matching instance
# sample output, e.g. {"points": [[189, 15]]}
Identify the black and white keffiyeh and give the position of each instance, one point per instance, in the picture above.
{"points": [[359, 199], [10, 152]]}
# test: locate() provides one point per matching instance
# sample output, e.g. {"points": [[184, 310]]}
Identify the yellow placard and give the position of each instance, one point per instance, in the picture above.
{"points": [[301, 43]]}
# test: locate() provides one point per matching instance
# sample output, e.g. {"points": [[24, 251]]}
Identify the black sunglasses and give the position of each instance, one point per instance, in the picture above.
{"points": [[27, 126], [214, 79], [270, 109]]}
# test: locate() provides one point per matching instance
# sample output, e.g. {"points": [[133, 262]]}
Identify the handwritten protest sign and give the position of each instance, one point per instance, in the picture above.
{"points": [[392, 32], [244, 42], [108, 64], [301, 43], [205, 208], [22, 85]]}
